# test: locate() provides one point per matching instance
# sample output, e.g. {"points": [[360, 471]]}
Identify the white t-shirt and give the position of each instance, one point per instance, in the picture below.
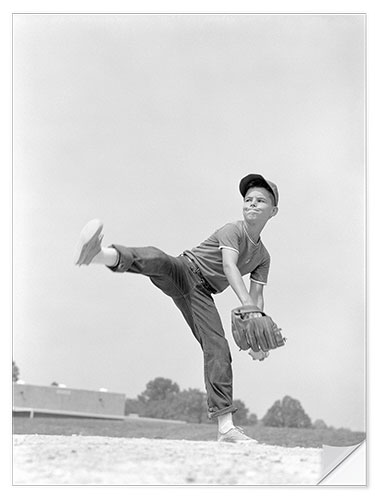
{"points": [[253, 257]]}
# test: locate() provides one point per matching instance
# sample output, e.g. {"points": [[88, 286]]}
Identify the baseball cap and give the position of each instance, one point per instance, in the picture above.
{"points": [[270, 186]]}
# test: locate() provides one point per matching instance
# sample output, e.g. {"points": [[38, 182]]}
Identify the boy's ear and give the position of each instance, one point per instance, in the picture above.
{"points": [[274, 211]]}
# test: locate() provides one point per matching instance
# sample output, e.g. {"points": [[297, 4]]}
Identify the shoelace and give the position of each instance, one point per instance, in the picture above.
{"points": [[239, 429], [236, 427]]}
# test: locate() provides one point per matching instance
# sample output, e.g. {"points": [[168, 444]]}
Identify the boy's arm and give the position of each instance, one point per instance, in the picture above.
{"points": [[255, 295], [252, 297]]}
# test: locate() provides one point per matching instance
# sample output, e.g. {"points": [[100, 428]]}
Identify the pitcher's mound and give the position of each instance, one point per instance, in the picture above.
{"points": [[75, 460]]}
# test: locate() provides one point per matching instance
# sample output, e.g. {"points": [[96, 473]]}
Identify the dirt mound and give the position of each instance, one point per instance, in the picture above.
{"points": [[41, 459]]}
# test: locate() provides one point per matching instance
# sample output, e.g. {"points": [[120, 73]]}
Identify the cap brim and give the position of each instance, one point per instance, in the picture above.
{"points": [[261, 180]]}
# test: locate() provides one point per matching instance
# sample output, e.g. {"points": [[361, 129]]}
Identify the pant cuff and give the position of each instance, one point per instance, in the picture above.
{"points": [[217, 413]]}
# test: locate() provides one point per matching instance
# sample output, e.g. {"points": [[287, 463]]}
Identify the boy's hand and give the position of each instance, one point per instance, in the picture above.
{"points": [[258, 356]]}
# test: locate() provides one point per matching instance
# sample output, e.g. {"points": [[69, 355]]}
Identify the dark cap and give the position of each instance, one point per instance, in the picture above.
{"points": [[261, 182]]}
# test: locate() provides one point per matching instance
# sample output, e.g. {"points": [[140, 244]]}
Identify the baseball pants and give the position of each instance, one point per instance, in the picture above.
{"points": [[180, 278]]}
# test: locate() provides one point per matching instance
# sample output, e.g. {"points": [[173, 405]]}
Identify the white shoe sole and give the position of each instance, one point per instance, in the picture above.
{"points": [[241, 441], [86, 242]]}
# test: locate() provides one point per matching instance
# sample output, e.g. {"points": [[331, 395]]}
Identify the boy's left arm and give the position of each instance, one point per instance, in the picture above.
{"points": [[256, 294]]}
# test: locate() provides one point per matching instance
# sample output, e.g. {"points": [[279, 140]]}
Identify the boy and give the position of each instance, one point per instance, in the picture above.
{"points": [[194, 276]]}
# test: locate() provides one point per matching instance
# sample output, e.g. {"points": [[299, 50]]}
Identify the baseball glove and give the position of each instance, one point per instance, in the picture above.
{"points": [[253, 329]]}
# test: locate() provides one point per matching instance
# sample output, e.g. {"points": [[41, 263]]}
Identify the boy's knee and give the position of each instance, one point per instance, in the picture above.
{"points": [[160, 258], [218, 353]]}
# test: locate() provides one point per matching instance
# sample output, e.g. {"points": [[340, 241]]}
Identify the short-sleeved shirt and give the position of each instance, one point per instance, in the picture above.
{"points": [[253, 258]]}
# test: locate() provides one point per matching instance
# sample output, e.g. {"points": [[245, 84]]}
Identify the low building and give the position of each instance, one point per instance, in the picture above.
{"points": [[57, 400]]}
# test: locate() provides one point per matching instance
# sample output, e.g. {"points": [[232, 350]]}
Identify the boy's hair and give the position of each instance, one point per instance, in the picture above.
{"points": [[259, 184]]}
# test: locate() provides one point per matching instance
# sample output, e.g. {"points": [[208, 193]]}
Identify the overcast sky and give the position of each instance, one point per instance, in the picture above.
{"points": [[148, 123]]}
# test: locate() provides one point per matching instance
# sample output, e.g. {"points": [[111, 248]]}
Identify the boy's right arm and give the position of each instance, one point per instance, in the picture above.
{"points": [[233, 275], [254, 297]]}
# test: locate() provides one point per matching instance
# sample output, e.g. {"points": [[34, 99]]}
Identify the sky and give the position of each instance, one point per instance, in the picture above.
{"points": [[148, 122]]}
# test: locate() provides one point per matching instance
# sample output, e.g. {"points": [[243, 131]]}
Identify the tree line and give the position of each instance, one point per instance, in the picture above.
{"points": [[163, 398]]}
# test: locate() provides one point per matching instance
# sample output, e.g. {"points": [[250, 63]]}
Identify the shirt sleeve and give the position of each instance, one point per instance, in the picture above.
{"points": [[260, 274], [228, 236]]}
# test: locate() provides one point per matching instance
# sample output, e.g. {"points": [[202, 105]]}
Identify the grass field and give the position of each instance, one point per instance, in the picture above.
{"points": [[138, 428]]}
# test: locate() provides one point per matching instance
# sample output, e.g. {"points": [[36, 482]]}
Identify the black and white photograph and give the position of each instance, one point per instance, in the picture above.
{"points": [[189, 248]]}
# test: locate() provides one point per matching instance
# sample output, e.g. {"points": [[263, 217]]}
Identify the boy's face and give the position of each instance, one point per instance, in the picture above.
{"points": [[258, 205]]}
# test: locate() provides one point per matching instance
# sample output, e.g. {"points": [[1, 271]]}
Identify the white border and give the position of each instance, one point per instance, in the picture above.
{"points": [[147, 6]]}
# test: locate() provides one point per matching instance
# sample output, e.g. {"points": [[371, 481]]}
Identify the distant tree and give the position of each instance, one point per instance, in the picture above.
{"points": [[241, 415], [193, 406], [294, 414], [274, 416], [163, 398], [320, 424], [15, 372], [56, 384], [188, 405], [160, 408], [287, 413], [159, 389], [133, 406], [253, 419]]}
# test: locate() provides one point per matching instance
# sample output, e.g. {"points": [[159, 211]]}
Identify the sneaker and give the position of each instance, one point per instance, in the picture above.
{"points": [[89, 243], [235, 435]]}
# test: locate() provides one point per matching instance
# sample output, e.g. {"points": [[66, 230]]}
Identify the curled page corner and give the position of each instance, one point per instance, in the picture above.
{"points": [[334, 456]]}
